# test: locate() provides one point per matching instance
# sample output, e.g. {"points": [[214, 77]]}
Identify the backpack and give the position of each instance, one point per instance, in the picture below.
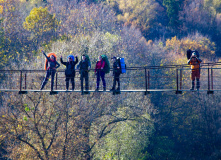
{"points": [[188, 54], [122, 64], [107, 64]]}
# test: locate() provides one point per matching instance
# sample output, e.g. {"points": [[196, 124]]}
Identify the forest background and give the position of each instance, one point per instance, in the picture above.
{"points": [[104, 126]]}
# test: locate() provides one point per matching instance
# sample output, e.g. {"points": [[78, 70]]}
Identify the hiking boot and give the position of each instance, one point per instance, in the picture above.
{"points": [[112, 89], [41, 88]]}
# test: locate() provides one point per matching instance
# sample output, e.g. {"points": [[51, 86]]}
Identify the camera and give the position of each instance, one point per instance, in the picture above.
{"points": [[193, 57]]}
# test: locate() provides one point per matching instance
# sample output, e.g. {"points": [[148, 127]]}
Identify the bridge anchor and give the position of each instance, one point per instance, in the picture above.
{"points": [[22, 92], [116, 92], [210, 92], [53, 92], [178, 92], [146, 92]]}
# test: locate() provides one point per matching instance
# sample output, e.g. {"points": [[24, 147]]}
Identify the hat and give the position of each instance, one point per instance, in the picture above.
{"points": [[113, 57]]}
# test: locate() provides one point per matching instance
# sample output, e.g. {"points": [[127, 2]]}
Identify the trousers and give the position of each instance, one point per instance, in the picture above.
{"points": [[116, 80], [48, 73], [67, 79], [101, 75], [84, 75]]}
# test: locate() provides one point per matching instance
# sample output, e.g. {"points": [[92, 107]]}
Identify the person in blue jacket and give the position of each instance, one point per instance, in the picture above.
{"points": [[50, 65], [70, 70]]}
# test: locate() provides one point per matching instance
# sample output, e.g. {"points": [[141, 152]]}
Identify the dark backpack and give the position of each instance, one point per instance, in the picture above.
{"points": [[107, 64], [188, 53]]}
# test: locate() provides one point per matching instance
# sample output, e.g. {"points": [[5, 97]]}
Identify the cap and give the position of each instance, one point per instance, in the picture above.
{"points": [[113, 57]]}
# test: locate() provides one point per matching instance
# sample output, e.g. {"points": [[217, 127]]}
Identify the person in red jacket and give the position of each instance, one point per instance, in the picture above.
{"points": [[99, 71]]}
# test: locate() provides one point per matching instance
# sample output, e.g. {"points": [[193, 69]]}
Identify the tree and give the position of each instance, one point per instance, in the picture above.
{"points": [[70, 126], [41, 23], [147, 15], [173, 8]]}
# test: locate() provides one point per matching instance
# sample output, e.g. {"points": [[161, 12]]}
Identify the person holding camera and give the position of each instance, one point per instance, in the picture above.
{"points": [[194, 61]]}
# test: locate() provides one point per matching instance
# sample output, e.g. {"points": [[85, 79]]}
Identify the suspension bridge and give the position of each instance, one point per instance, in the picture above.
{"points": [[167, 78]]}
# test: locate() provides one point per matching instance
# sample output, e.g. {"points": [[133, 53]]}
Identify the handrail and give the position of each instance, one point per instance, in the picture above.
{"points": [[148, 83], [131, 68]]}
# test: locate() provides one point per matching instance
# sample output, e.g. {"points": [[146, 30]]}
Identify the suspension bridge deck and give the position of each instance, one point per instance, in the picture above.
{"points": [[114, 92]]}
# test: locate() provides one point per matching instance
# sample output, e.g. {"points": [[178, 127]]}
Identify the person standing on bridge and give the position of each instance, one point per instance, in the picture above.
{"points": [[70, 70], [116, 74], [194, 61], [50, 65], [99, 71], [84, 67]]}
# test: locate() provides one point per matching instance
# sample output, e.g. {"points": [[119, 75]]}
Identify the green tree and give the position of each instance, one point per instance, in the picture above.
{"points": [[40, 22], [214, 6], [173, 8]]}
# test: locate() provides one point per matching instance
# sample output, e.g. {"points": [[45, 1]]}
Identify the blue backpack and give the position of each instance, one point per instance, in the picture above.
{"points": [[122, 64]]}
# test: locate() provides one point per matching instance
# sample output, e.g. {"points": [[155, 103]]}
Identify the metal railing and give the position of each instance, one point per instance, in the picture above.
{"points": [[137, 79]]}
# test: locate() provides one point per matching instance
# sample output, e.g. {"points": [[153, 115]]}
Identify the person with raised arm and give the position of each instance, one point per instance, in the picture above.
{"points": [[70, 70], [51, 65]]}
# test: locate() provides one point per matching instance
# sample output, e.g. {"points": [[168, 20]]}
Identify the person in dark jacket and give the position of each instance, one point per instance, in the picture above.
{"points": [[100, 73], [84, 67], [116, 74], [51, 65], [70, 70]]}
